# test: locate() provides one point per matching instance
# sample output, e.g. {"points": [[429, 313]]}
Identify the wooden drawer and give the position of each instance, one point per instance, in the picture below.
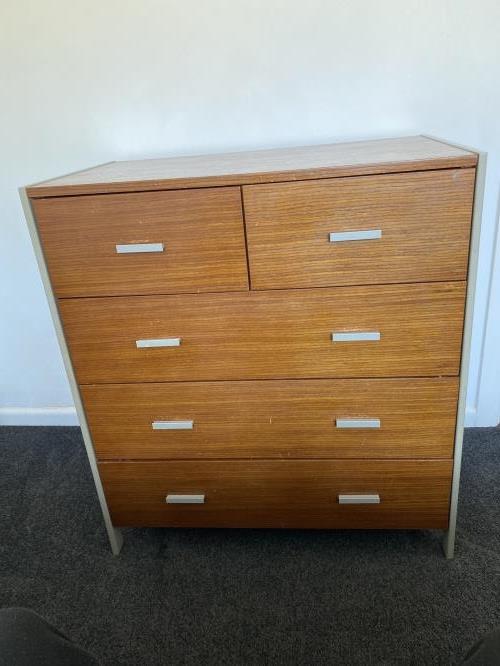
{"points": [[344, 418], [279, 493], [423, 218], [274, 334], [201, 232]]}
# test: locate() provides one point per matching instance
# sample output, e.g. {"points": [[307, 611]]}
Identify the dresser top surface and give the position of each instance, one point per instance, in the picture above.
{"points": [[414, 153]]}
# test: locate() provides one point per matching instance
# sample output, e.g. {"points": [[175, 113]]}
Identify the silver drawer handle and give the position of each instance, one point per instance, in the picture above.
{"points": [[359, 499], [160, 342], [356, 336], [132, 248], [185, 499], [357, 423], [172, 425], [367, 234]]}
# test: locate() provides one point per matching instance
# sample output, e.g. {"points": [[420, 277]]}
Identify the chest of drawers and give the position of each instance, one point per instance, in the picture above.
{"points": [[268, 339]]}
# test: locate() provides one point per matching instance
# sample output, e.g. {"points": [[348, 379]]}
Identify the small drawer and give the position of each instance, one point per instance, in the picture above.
{"points": [[322, 418], [411, 227], [268, 335], [281, 493], [144, 243]]}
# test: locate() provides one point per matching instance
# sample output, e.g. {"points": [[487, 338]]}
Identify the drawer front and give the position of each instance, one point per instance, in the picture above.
{"points": [[366, 230], [146, 243], [391, 330], [349, 418], [284, 493]]}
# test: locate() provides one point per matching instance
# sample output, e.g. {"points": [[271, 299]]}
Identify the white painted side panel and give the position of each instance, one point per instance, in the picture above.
{"points": [[449, 541], [114, 535]]}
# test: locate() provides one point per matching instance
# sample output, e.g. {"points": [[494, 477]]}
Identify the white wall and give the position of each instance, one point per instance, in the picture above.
{"points": [[89, 81]]}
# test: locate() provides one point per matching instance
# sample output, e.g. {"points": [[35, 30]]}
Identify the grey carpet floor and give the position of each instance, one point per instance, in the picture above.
{"points": [[243, 597]]}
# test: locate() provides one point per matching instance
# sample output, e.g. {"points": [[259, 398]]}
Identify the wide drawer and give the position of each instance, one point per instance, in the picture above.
{"points": [[284, 493], [345, 418], [390, 330], [365, 230], [144, 243]]}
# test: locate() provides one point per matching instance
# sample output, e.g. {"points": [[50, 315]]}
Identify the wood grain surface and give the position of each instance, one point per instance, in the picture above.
{"points": [[268, 335], [424, 218], [274, 419], [202, 232], [284, 493], [414, 153], [257, 371]]}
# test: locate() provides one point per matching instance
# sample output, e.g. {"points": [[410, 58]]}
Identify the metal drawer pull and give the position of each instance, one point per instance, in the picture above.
{"points": [[172, 425], [368, 234], [161, 342], [185, 499], [356, 336], [131, 248], [357, 423], [359, 499]]}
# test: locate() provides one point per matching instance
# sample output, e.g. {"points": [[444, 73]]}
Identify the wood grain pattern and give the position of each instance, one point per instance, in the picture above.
{"points": [[414, 153], [202, 231], [257, 371], [424, 217], [284, 493], [274, 419], [272, 334]]}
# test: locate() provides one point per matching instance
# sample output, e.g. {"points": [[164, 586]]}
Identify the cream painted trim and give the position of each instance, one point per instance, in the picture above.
{"points": [[114, 535], [449, 539]]}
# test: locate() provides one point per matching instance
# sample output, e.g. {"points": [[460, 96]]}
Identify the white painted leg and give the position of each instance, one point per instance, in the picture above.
{"points": [[449, 537], [449, 543], [115, 540]]}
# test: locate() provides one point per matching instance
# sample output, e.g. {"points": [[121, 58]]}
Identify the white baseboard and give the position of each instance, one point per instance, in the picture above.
{"points": [[66, 416], [36, 416], [470, 417]]}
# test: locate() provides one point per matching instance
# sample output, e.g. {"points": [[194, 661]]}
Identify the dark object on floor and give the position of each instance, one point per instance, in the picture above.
{"points": [[485, 652], [243, 597], [26, 639]]}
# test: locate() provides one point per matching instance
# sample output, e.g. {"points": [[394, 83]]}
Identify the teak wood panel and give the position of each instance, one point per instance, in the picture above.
{"points": [[297, 163], [273, 334], [274, 419], [284, 493], [202, 232], [424, 218]]}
